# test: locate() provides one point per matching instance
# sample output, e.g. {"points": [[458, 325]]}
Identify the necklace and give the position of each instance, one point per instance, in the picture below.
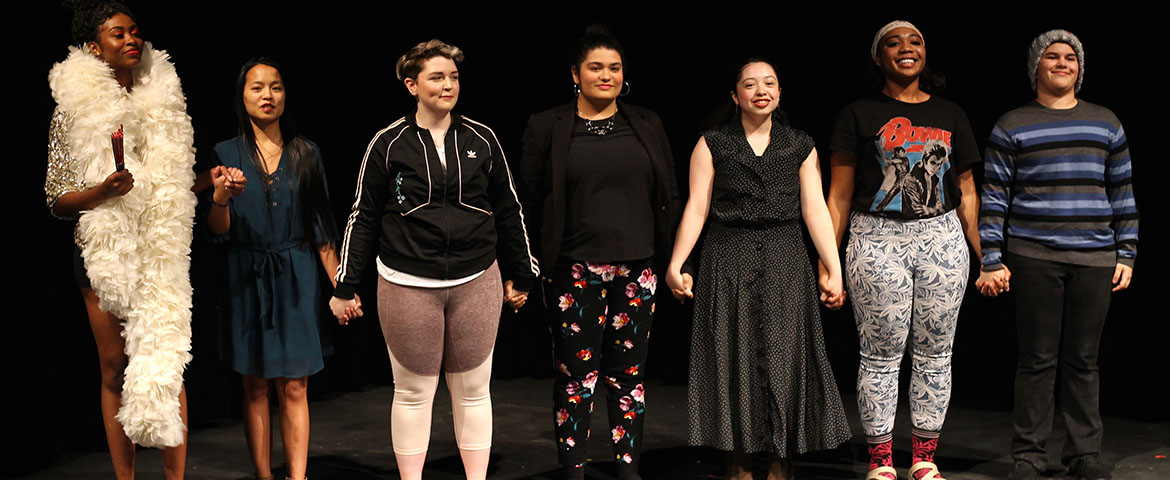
{"points": [[597, 127], [265, 155]]}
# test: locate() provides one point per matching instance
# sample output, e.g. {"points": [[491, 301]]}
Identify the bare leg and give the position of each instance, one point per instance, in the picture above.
{"points": [[175, 458], [739, 466], [475, 463], [257, 424], [410, 467], [780, 468], [294, 423], [107, 333]]}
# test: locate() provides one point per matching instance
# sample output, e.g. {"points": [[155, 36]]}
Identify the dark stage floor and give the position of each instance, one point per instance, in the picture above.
{"points": [[351, 440]]}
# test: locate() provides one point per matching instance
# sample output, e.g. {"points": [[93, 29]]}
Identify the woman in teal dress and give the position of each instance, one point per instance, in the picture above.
{"points": [[277, 229]]}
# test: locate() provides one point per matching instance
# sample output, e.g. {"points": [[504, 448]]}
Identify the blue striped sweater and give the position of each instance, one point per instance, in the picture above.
{"points": [[1058, 187]]}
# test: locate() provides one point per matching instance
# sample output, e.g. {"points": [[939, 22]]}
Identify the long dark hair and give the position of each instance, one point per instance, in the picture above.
{"points": [[315, 213]]}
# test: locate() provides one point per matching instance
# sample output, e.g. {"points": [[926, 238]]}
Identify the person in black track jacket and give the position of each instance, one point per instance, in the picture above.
{"points": [[435, 190]]}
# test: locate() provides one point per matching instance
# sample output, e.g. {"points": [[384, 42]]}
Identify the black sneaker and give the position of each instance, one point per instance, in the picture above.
{"points": [[1024, 471], [1088, 468]]}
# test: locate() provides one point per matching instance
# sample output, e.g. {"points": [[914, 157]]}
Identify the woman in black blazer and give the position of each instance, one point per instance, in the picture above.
{"points": [[602, 193]]}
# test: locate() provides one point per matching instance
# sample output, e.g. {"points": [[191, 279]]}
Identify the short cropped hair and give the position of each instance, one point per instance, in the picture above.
{"points": [[410, 64], [90, 15]]}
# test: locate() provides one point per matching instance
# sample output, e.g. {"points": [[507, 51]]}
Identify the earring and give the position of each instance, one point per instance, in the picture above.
{"points": [[627, 89], [576, 89]]}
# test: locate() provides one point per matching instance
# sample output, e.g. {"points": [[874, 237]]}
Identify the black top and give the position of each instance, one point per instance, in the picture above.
{"points": [[432, 222], [610, 186], [908, 155], [752, 190], [543, 168]]}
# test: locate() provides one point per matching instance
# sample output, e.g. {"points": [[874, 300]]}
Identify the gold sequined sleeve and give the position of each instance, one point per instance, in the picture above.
{"points": [[60, 177]]}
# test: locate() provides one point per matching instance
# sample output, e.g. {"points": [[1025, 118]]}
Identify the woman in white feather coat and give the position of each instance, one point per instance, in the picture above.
{"points": [[133, 225]]}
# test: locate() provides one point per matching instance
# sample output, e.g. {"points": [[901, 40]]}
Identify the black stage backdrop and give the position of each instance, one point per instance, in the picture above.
{"points": [[339, 62]]}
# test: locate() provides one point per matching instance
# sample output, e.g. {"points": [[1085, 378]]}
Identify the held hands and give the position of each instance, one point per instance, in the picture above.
{"points": [[228, 183], [993, 283], [832, 288], [116, 185], [346, 310], [680, 284], [1121, 277], [514, 298]]}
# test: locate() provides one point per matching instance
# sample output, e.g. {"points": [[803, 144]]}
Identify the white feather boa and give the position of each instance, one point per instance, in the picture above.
{"points": [[137, 247]]}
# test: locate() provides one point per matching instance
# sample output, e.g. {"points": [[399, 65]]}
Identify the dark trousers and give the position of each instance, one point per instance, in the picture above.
{"points": [[600, 325], [1060, 312]]}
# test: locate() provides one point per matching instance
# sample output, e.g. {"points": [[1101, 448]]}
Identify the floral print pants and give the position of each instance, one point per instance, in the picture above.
{"points": [[906, 279], [600, 326]]}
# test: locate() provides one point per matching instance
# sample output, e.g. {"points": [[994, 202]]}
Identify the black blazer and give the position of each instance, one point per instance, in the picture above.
{"points": [[542, 171]]}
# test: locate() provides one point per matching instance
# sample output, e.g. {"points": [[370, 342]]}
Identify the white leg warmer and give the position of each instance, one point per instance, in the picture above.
{"points": [[410, 416], [471, 406]]}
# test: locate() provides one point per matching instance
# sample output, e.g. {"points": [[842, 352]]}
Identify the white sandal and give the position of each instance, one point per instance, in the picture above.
{"points": [[931, 475], [876, 474]]}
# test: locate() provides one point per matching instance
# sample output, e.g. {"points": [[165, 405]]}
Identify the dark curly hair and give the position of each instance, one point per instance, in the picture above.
{"points": [[89, 15]]}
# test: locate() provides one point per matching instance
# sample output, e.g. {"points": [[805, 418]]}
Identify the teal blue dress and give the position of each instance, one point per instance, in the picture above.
{"points": [[272, 303]]}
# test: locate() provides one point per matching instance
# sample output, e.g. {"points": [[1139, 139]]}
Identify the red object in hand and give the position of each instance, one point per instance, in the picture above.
{"points": [[116, 140]]}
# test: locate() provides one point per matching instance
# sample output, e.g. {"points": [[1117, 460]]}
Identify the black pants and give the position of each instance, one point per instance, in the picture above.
{"points": [[1060, 312], [600, 325]]}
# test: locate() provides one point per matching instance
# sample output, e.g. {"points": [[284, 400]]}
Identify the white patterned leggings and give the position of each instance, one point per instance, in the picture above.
{"points": [[906, 279]]}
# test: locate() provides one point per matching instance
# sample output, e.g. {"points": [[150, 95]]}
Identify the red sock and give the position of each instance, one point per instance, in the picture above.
{"points": [[923, 444], [882, 455], [922, 449]]}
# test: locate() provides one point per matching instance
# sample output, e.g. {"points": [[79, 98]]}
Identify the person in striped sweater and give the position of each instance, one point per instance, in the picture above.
{"points": [[1058, 212]]}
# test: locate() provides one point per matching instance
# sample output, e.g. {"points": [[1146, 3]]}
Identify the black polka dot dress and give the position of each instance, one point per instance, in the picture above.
{"points": [[759, 377]]}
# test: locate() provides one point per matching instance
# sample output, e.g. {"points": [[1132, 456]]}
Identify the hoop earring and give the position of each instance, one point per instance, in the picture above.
{"points": [[628, 89]]}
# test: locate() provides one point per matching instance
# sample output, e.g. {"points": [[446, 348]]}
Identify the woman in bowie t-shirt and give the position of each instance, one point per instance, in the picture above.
{"points": [[901, 163]]}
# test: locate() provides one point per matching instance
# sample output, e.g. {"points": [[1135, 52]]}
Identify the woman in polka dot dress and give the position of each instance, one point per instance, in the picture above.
{"points": [[760, 380]]}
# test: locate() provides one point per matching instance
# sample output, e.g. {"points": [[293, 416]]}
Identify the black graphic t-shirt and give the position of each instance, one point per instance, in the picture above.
{"points": [[909, 155]]}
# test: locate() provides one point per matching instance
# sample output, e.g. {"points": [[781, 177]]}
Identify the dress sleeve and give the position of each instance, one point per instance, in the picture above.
{"points": [[360, 237], [60, 177], [517, 263], [1119, 188], [999, 170], [806, 145]]}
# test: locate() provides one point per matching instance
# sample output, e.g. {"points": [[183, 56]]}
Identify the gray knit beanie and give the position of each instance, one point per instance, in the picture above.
{"points": [[1045, 40]]}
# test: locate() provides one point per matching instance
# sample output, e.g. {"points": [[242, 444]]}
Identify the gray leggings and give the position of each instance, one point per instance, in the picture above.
{"points": [[453, 328], [906, 279]]}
